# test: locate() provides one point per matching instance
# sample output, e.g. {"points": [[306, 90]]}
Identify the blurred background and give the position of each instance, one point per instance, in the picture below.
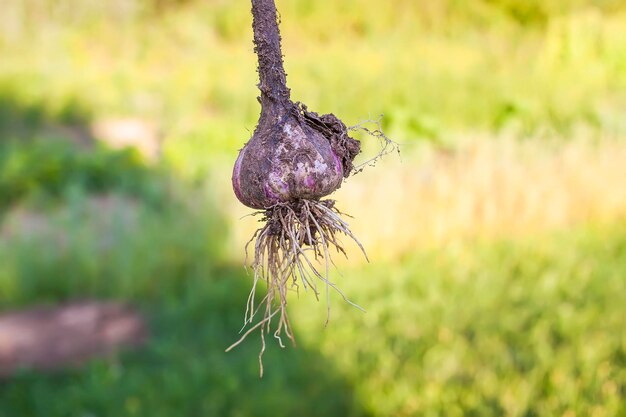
{"points": [[497, 240]]}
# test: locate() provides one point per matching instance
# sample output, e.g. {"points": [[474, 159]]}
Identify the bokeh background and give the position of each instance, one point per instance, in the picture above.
{"points": [[497, 239]]}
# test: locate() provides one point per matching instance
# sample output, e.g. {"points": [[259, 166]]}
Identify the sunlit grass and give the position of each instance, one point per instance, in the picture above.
{"points": [[484, 188], [191, 71], [531, 326]]}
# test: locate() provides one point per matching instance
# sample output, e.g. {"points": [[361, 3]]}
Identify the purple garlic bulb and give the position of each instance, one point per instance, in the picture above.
{"points": [[287, 160]]}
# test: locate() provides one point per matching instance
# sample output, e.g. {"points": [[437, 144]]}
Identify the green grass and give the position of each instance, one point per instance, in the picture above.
{"points": [[167, 261], [553, 68], [533, 327], [529, 327], [47, 169]]}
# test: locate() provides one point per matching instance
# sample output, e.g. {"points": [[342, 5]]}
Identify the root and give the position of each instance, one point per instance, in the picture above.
{"points": [[374, 130], [288, 250]]}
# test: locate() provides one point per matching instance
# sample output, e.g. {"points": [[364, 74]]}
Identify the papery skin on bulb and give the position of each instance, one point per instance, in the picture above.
{"points": [[285, 160]]}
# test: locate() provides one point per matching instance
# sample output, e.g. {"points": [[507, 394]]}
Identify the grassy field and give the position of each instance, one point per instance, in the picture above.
{"points": [[532, 326], [431, 70], [498, 239]]}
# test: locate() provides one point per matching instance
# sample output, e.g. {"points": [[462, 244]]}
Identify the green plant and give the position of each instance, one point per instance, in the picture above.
{"points": [[50, 168]]}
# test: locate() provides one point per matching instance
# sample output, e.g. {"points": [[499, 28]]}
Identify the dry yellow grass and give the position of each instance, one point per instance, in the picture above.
{"points": [[485, 188]]}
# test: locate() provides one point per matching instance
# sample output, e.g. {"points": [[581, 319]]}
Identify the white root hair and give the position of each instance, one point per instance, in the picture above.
{"points": [[288, 249]]}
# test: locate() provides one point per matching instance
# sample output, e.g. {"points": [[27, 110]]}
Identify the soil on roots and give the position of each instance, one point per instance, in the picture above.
{"points": [[292, 251]]}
